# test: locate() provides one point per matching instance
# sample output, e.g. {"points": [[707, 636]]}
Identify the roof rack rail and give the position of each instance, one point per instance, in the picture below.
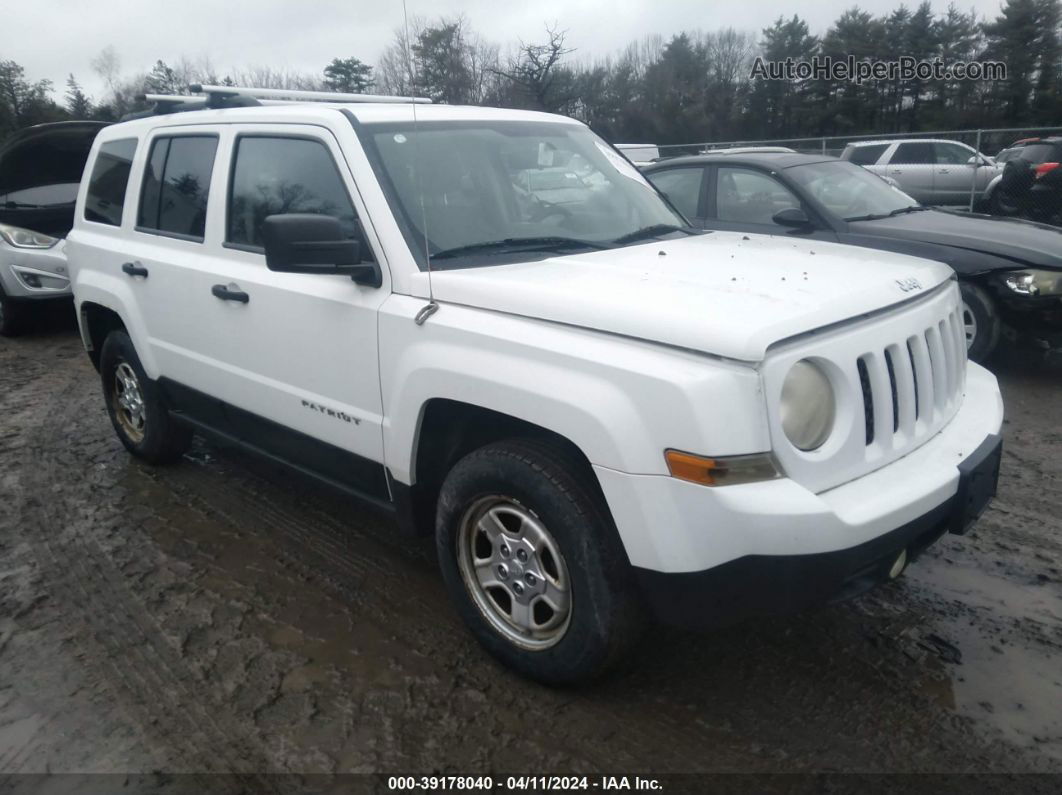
{"points": [[295, 95], [218, 97]]}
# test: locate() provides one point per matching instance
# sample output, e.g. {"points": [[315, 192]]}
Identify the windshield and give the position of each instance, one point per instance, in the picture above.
{"points": [[850, 191], [497, 192]]}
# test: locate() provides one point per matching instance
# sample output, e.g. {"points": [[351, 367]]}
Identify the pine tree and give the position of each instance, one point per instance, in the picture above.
{"points": [[77, 104], [348, 75]]}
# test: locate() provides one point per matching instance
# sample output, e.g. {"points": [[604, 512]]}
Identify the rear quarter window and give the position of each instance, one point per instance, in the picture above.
{"points": [[109, 182]]}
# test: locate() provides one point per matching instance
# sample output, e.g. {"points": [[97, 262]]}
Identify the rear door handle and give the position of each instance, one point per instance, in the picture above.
{"points": [[230, 292], [135, 269], [944, 171]]}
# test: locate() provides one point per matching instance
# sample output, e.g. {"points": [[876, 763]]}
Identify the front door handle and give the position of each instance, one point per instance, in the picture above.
{"points": [[944, 171], [230, 292], [897, 171], [135, 269]]}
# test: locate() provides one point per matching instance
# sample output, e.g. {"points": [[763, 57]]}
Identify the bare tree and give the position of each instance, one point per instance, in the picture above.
{"points": [[272, 77], [108, 65], [534, 68], [395, 71]]}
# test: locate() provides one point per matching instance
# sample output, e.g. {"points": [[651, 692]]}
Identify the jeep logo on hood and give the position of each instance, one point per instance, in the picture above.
{"points": [[909, 284]]}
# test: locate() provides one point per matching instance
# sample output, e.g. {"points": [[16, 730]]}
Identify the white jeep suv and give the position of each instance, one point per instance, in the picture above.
{"points": [[489, 325]]}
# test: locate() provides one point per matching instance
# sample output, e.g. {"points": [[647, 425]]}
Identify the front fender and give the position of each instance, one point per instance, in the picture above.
{"points": [[622, 402]]}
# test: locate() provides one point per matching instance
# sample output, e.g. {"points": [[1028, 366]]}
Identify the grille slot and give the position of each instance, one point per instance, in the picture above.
{"points": [[913, 383], [868, 398], [892, 388], [914, 373]]}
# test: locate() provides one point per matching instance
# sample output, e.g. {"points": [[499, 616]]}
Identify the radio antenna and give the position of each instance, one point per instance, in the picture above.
{"points": [[432, 307]]}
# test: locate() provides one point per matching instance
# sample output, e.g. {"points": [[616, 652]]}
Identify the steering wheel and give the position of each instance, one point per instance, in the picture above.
{"points": [[544, 210]]}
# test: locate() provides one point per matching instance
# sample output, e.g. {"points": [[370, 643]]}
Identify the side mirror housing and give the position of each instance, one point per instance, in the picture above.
{"points": [[311, 243], [792, 217]]}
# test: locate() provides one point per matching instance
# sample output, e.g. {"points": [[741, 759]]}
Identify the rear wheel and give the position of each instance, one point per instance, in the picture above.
{"points": [[980, 321], [533, 563], [136, 409], [1002, 203]]}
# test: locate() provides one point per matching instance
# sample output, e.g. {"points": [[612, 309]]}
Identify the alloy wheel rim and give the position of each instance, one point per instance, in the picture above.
{"points": [[513, 569], [969, 324], [128, 401]]}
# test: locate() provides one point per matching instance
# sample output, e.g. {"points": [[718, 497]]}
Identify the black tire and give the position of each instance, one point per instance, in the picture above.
{"points": [[12, 316], [978, 306], [1003, 204], [606, 615], [161, 440]]}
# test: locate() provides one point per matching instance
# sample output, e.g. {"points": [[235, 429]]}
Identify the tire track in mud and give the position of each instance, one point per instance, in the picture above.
{"points": [[360, 569], [131, 649], [190, 580], [120, 642]]}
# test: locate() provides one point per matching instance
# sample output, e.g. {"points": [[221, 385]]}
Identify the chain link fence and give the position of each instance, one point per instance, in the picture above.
{"points": [[1020, 175]]}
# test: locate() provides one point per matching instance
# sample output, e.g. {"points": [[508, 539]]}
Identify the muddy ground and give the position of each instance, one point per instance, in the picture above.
{"points": [[220, 616]]}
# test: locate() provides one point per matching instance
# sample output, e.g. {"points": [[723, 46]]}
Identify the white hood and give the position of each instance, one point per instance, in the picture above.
{"points": [[722, 293]]}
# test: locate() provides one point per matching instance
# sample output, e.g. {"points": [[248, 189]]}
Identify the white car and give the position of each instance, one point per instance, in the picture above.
{"points": [[595, 409], [932, 171], [40, 168]]}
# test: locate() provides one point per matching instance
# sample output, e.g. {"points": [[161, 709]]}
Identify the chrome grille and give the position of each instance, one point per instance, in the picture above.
{"points": [[908, 385]]}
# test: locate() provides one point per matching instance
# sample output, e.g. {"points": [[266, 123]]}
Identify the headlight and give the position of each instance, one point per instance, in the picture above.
{"points": [[1034, 282], [808, 406], [26, 238]]}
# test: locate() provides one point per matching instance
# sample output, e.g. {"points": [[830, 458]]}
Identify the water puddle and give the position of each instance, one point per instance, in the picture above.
{"points": [[1009, 636]]}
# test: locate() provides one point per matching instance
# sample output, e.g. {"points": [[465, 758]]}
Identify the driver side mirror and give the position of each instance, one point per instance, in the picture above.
{"points": [[792, 217], [311, 243]]}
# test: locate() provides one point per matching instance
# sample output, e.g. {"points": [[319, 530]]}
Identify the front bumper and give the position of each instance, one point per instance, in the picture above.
{"points": [[758, 585], [34, 274], [752, 534]]}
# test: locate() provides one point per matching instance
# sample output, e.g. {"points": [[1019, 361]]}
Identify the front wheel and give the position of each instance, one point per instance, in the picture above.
{"points": [[12, 316], [980, 322], [137, 412], [533, 563]]}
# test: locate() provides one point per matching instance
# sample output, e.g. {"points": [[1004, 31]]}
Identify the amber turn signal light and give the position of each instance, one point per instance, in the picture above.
{"points": [[726, 471]]}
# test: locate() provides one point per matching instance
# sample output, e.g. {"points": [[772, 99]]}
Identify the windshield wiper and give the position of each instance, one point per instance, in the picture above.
{"points": [[911, 208], [653, 231], [519, 244]]}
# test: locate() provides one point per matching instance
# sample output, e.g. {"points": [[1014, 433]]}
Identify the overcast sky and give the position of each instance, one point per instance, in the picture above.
{"points": [[52, 38]]}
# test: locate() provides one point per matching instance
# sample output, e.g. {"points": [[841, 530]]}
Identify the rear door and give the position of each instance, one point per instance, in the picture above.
{"points": [[912, 164]]}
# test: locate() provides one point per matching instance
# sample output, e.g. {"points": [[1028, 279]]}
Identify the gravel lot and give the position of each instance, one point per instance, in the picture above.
{"points": [[219, 616]]}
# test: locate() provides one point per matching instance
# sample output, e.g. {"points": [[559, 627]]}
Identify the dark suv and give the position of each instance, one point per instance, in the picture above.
{"points": [[1031, 183]]}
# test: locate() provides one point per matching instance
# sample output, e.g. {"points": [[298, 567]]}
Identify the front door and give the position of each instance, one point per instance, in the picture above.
{"points": [[745, 199]]}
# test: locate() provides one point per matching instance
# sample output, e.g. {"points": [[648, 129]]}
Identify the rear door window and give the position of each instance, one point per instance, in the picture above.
{"points": [[915, 154], [109, 182], [173, 199]]}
